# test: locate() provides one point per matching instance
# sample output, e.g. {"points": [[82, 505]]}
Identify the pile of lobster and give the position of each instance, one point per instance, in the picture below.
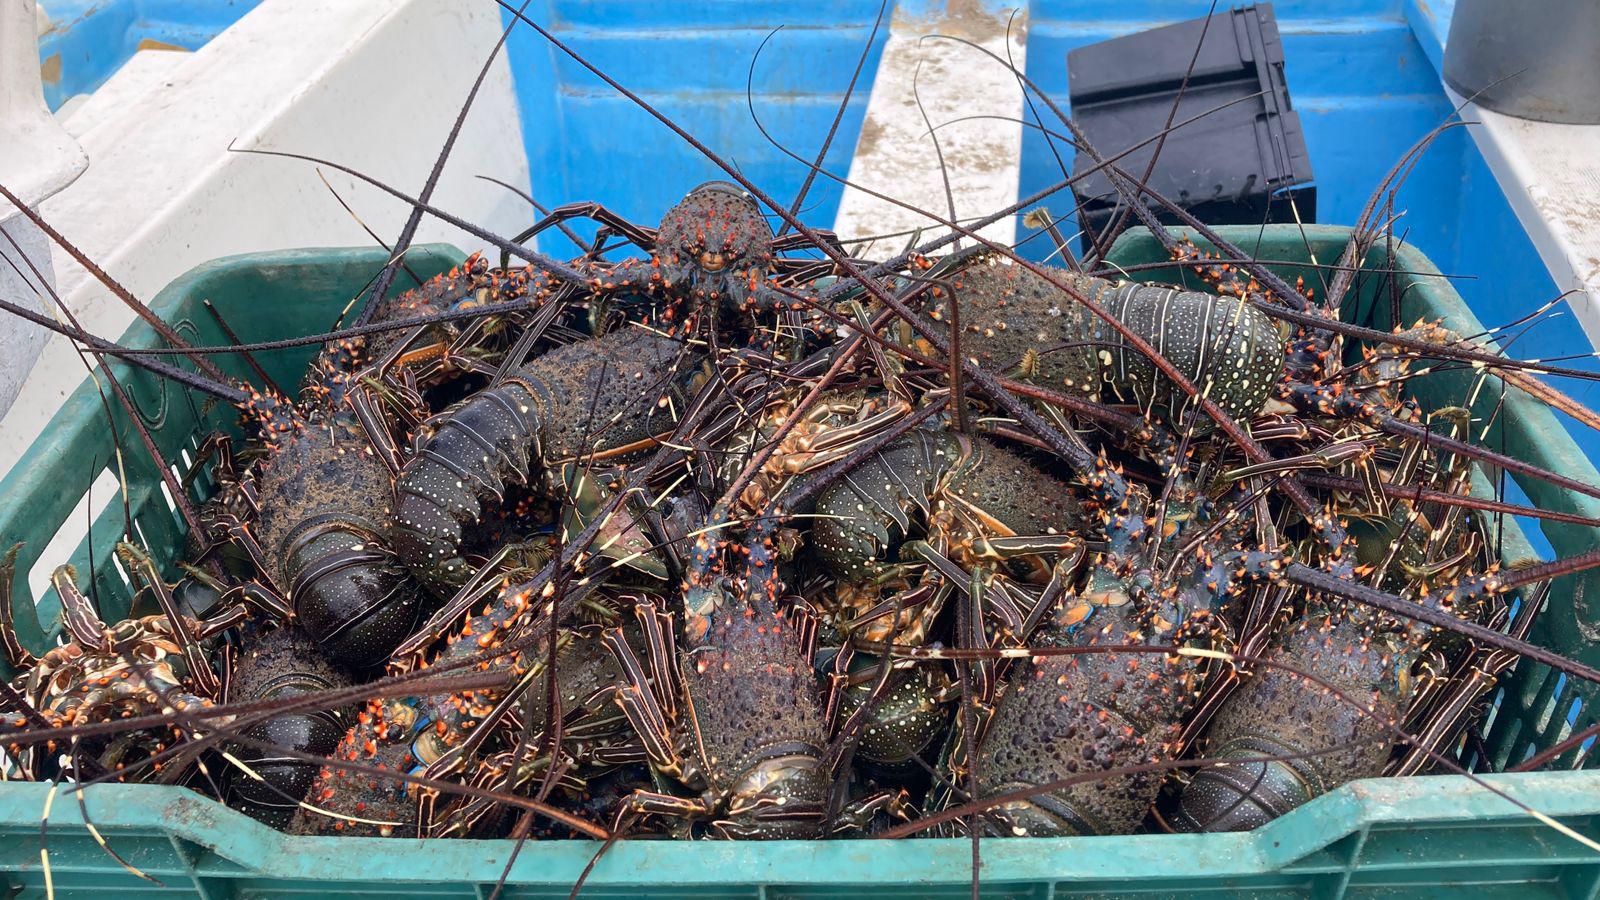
{"points": [[744, 537]]}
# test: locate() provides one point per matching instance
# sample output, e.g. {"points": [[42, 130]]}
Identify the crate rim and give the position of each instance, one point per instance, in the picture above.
{"points": [[243, 847]]}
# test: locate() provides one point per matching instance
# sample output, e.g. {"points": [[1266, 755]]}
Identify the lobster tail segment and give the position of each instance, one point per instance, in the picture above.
{"points": [[323, 530], [1240, 793], [280, 665], [582, 401], [1301, 741], [1013, 319]]}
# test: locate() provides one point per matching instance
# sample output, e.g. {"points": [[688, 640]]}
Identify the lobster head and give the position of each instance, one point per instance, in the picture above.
{"points": [[714, 245]]}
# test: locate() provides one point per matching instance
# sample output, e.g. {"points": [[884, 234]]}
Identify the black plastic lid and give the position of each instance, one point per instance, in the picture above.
{"points": [[1122, 93]]}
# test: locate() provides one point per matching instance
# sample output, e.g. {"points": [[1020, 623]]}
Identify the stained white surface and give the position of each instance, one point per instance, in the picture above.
{"points": [[1549, 173], [144, 73], [895, 154], [374, 85], [37, 158]]}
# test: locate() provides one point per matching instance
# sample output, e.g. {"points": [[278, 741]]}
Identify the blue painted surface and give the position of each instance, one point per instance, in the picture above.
{"points": [[93, 38], [692, 61]]}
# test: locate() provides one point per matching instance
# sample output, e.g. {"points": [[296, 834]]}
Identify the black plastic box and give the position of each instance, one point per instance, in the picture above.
{"points": [[1237, 165]]}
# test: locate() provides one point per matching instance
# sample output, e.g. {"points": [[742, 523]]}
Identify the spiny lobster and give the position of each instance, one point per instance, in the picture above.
{"points": [[1338, 682], [324, 492], [153, 664], [1013, 319], [602, 398], [448, 734], [712, 254], [279, 665]]}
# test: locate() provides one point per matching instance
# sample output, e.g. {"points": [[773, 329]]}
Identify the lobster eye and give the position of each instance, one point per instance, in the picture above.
{"points": [[712, 261]]}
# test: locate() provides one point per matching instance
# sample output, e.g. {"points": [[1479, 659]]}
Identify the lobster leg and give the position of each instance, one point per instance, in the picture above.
{"points": [[833, 444], [17, 656], [217, 449], [639, 701], [379, 438], [800, 271], [482, 583], [888, 366], [858, 814], [669, 805], [77, 613], [796, 241], [644, 237], [656, 623], [199, 668], [262, 593]]}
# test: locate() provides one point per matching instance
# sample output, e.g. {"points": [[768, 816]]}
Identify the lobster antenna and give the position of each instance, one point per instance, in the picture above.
{"points": [[559, 269], [1067, 256], [122, 293], [538, 208], [365, 227], [179, 497], [105, 403], [249, 359], [89, 826], [1365, 234], [220, 390], [1134, 203], [838, 115], [386, 277], [958, 394], [938, 150], [389, 325]]}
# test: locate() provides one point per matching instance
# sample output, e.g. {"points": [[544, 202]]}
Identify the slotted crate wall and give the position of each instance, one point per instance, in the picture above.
{"points": [[1538, 707], [262, 297], [1377, 838]]}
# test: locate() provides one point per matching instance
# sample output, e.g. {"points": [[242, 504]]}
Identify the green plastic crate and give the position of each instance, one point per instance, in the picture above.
{"points": [[1434, 836], [1540, 707]]}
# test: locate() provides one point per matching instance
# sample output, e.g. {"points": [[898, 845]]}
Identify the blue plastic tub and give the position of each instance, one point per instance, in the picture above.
{"points": [[89, 40]]}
